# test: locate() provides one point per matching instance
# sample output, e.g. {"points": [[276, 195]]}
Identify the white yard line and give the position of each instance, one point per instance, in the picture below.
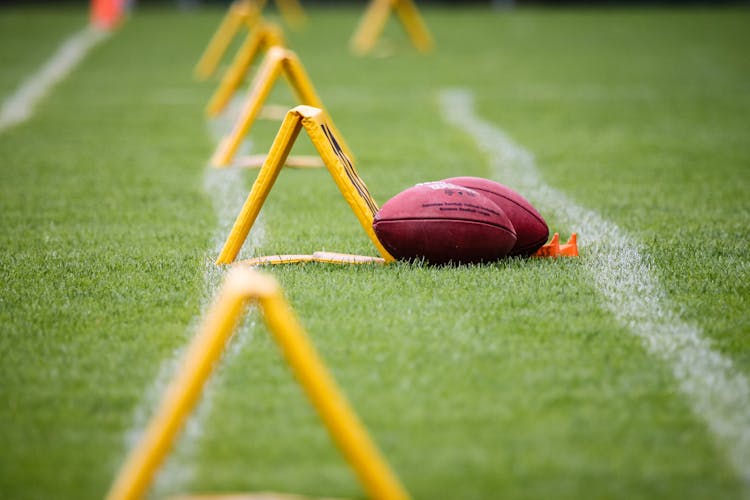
{"points": [[19, 107], [624, 275], [227, 192], [226, 188]]}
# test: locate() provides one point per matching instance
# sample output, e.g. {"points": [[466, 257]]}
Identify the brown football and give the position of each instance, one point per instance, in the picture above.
{"points": [[442, 223], [531, 229]]}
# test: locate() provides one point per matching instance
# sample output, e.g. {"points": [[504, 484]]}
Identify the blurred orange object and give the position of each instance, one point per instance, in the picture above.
{"points": [[107, 14], [554, 249]]}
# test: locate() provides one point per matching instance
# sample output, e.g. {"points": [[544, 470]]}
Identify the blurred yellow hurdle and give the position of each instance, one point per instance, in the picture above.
{"points": [[240, 13], [375, 17], [278, 61], [261, 38], [241, 287]]}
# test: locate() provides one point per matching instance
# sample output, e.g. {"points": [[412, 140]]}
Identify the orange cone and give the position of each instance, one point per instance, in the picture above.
{"points": [[107, 14], [556, 249]]}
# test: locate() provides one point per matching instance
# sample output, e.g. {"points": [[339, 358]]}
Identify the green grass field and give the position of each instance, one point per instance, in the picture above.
{"points": [[511, 380]]}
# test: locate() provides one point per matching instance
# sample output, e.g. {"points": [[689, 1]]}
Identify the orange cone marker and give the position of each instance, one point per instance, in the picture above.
{"points": [[107, 14]]}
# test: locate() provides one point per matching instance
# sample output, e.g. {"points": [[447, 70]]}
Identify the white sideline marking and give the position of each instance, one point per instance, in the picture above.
{"points": [[20, 106], [227, 191], [623, 274]]}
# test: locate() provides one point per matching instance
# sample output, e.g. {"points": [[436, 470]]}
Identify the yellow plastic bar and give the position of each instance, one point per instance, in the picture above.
{"points": [[371, 25], [256, 161], [292, 12], [299, 80], [414, 25], [278, 60], [329, 147], [241, 12], [323, 257], [262, 37], [274, 35], [234, 75], [241, 285], [259, 91], [267, 175], [342, 423], [301, 83]]}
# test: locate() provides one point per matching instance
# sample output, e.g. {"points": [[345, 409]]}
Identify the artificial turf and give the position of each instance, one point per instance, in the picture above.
{"points": [[503, 380]]}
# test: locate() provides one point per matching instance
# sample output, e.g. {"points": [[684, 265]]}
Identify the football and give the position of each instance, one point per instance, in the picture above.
{"points": [[444, 223], [531, 229]]}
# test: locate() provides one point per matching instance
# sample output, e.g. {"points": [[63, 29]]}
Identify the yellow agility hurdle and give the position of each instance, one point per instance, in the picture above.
{"points": [[241, 287], [261, 38], [240, 13], [292, 13], [277, 61], [329, 146], [375, 17]]}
